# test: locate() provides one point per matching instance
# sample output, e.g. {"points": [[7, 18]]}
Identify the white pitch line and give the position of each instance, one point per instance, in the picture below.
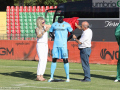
{"points": [[56, 68], [52, 88], [19, 84]]}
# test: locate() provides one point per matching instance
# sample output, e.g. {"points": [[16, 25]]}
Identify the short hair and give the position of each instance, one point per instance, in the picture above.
{"points": [[86, 25]]}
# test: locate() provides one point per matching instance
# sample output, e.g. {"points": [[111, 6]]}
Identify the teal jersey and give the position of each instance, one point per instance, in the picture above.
{"points": [[61, 33]]}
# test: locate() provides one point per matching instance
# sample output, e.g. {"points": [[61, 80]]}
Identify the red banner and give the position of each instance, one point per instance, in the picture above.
{"points": [[102, 52], [17, 49]]}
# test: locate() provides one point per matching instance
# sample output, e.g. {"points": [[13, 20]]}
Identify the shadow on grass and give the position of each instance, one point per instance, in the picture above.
{"points": [[21, 74], [31, 75], [96, 76]]}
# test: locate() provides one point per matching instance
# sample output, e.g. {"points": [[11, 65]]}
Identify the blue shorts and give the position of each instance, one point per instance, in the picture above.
{"points": [[60, 52]]}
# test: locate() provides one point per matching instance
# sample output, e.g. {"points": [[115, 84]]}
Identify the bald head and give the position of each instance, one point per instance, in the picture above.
{"points": [[85, 25]]}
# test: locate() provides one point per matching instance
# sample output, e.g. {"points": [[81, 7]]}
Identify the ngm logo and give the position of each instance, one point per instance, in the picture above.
{"points": [[105, 3]]}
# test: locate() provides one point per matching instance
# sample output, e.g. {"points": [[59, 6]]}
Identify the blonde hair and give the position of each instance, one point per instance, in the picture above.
{"points": [[39, 22]]}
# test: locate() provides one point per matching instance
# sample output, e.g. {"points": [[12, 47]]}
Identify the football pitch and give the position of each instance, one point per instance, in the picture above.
{"points": [[21, 75]]}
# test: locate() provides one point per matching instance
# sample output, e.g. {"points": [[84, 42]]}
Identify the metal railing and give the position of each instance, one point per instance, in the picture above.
{"points": [[17, 37]]}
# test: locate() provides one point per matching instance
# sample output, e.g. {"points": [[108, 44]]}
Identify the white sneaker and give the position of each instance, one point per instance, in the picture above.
{"points": [[117, 80], [68, 80], [50, 80]]}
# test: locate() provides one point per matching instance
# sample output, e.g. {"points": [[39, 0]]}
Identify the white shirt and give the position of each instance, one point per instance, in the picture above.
{"points": [[44, 38], [86, 38]]}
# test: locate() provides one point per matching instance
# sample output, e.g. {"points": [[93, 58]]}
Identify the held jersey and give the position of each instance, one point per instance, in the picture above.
{"points": [[61, 33]]}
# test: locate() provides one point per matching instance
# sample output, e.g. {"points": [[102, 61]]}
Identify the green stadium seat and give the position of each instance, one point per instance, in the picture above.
{"points": [[25, 20], [38, 13], [26, 27], [37, 17], [48, 23], [42, 16], [25, 13], [25, 17], [20, 13], [32, 31], [30, 17], [42, 13], [47, 17], [22, 36], [22, 28], [50, 17], [33, 36], [22, 24], [34, 27], [50, 14], [33, 13], [31, 24], [22, 31], [34, 24], [34, 17], [27, 31], [50, 20], [21, 16], [27, 36], [26, 24], [29, 13], [34, 20], [31, 27], [21, 20], [30, 20]]}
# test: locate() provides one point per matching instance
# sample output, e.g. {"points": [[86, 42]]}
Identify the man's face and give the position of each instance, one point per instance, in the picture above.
{"points": [[83, 26]]}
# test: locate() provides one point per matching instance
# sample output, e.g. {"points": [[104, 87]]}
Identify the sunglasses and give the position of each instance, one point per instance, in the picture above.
{"points": [[43, 22]]}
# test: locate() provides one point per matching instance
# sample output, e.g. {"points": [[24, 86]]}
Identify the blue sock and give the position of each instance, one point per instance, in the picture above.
{"points": [[66, 67], [53, 67]]}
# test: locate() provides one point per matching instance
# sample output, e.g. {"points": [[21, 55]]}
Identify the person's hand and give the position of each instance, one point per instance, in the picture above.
{"points": [[50, 39], [74, 37], [47, 29], [76, 24], [79, 27]]}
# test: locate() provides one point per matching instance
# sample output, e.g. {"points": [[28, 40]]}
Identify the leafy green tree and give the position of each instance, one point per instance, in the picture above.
{"points": [[42, 2]]}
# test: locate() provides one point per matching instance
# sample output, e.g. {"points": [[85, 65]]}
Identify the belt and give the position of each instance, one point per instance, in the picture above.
{"points": [[83, 48]]}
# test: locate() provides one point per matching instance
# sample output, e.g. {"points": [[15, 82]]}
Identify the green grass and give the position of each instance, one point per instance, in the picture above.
{"points": [[22, 74]]}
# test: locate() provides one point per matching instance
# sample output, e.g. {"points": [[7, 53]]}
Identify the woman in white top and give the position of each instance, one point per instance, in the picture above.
{"points": [[42, 46]]}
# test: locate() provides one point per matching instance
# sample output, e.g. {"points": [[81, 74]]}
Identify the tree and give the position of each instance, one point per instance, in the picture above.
{"points": [[42, 2]]}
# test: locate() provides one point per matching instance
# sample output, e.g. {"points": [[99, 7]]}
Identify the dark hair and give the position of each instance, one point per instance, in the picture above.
{"points": [[60, 19]]}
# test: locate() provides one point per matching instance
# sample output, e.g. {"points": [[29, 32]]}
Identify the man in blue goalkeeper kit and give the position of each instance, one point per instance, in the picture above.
{"points": [[60, 37]]}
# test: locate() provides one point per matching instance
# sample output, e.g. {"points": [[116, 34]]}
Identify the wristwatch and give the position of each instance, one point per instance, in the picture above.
{"points": [[75, 38]]}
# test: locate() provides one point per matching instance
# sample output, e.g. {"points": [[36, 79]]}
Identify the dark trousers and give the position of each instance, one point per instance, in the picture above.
{"points": [[84, 54]]}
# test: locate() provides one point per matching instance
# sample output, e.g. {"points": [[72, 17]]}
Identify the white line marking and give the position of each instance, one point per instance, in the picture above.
{"points": [[19, 84], [56, 68], [52, 88]]}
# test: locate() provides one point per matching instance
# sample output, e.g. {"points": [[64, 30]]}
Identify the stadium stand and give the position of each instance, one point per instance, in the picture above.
{"points": [[21, 21]]}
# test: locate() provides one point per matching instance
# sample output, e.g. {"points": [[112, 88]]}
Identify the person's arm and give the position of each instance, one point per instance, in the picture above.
{"points": [[78, 26], [48, 26], [69, 28], [75, 38], [51, 32], [70, 36], [39, 35]]}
